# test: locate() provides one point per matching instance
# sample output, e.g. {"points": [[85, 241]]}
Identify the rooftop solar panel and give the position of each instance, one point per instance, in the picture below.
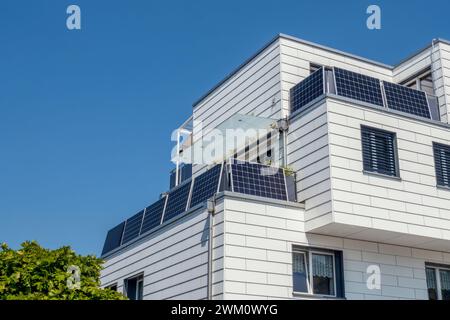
{"points": [[358, 86], [132, 227], [177, 201], [257, 179], [113, 238], [407, 100], [152, 215], [307, 90]]}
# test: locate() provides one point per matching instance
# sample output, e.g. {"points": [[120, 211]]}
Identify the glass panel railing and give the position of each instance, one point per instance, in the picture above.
{"points": [[433, 103]]}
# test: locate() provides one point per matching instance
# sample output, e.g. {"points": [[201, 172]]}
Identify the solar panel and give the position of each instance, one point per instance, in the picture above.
{"points": [[153, 214], [113, 238], [205, 185], [358, 86], [405, 99], [177, 201], [307, 90], [257, 179], [132, 227]]}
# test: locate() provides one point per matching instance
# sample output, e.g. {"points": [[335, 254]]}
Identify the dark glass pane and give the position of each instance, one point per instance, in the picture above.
{"points": [[140, 290], [323, 285], [299, 272], [323, 274], [431, 283], [445, 284]]}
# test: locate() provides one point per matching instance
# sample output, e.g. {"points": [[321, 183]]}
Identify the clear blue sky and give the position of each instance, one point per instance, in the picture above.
{"points": [[86, 116]]}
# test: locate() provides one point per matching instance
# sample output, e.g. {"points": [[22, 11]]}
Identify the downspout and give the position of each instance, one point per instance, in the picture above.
{"points": [[211, 207]]}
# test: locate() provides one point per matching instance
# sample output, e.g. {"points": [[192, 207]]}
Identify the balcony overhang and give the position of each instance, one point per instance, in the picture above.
{"points": [[418, 236]]}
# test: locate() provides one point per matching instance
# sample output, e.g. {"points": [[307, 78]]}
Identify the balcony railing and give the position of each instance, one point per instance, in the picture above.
{"points": [[252, 179], [363, 88]]}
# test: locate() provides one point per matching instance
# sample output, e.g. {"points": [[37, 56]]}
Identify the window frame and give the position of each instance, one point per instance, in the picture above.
{"points": [[437, 268], [139, 278], [308, 252], [396, 176], [113, 286]]}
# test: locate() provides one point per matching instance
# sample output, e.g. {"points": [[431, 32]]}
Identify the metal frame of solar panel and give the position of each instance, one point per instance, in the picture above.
{"points": [[307, 90], [132, 227], [358, 86], [257, 179], [177, 201], [407, 100], [206, 185], [153, 215], [113, 238]]}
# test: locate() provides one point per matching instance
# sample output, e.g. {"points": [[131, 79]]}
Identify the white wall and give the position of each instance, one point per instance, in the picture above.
{"points": [[253, 90], [412, 205], [308, 155], [258, 256], [297, 56], [174, 260]]}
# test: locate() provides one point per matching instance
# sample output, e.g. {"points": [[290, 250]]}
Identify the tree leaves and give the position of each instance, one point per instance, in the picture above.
{"points": [[36, 273]]}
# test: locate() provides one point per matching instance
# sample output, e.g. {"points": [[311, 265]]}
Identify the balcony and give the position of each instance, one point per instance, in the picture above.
{"points": [[365, 89], [341, 197], [251, 179]]}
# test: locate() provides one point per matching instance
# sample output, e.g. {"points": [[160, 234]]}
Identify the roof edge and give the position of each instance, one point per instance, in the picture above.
{"points": [[318, 46]]}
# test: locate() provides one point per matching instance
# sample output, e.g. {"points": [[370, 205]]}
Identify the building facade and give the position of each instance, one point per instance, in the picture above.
{"points": [[360, 208]]}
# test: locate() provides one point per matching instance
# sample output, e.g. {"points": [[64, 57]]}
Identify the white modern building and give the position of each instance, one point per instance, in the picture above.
{"points": [[363, 189]]}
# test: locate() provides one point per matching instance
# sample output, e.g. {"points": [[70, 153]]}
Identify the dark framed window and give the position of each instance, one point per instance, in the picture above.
{"points": [[112, 287], [134, 287], [438, 282], [379, 151], [442, 164], [317, 272]]}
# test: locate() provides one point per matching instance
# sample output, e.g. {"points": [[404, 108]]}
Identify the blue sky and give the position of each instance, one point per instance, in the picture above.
{"points": [[86, 116]]}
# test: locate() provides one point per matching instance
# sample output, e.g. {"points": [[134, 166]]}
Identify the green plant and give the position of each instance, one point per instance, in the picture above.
{"points": [[35, 273], [288, 171]]}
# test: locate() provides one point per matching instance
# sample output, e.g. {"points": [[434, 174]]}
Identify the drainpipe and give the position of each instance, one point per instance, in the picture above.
{"points": [[211, 207]]}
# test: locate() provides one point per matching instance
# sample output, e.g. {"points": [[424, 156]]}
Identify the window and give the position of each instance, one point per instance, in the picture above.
{"points": [[438, 282], [317, 272], [134, 287], [379, 148], [112, 287], [442, 164], [421, 81]]}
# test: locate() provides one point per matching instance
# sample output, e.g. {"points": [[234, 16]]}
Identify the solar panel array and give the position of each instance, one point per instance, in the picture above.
{"points": [[307, 90], [248, 178], [132, 227], [258, 180], [177, 201], [405, 99], [358, 86], [205, 185], [153, 215]]}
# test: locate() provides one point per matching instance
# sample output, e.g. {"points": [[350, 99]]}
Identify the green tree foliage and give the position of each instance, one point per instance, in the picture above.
{"points": [[36, 273]]}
